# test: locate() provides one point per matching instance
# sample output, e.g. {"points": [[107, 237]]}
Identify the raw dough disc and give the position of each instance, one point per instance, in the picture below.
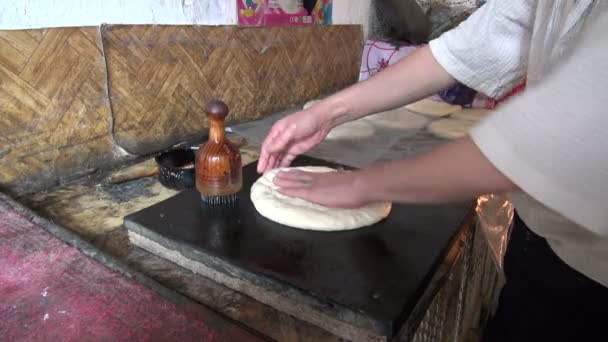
{"points": [[298, 213], [451, 128], [433, 108], [310, 104], [400, 118], [472, 114], [353, 130]]}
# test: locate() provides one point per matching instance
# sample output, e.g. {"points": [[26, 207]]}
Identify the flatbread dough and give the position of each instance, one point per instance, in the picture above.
{"points": [[433, 108], [310, 104], [472, 114], [298, 213], [451, 128], [400, 119], [353, 130]]}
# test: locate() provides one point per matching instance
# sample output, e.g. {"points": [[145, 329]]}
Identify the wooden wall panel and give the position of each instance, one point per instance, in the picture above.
{"points": [[161, 77], [57, 121], [54, 114]]}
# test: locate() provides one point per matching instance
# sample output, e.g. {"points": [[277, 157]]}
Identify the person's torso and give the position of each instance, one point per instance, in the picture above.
{"points": [[557, 24], [578, 247]]}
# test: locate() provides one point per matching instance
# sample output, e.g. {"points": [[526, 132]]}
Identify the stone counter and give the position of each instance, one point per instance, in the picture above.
{"points": [[454, 307]]}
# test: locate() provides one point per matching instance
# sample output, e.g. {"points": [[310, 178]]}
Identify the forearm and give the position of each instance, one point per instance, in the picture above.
{"points": [[453, 172], [413, 78]]}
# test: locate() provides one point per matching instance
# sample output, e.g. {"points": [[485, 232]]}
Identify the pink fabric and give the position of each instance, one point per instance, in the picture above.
{"points": [[378, 55]]}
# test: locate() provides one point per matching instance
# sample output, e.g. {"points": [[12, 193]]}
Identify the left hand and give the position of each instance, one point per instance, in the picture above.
{"points": [[340, 189]]}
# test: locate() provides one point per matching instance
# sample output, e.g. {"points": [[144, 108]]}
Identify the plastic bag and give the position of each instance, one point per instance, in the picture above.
{"points": [[495, 219]]}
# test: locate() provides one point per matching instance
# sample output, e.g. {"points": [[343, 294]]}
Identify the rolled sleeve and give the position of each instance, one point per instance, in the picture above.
{"points": [[488, 52]]}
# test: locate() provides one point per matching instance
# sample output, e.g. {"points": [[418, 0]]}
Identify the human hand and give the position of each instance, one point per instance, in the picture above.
{"points": [[340, 189], [291, 136]]}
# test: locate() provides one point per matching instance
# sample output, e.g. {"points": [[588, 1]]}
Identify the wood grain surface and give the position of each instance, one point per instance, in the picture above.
{"points": [[54, 115], [161, 77], [74, 100]]}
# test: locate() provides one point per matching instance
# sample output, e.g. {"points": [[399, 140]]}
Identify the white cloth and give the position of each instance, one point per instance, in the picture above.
{"points": [[488, 52], [551, 140]]}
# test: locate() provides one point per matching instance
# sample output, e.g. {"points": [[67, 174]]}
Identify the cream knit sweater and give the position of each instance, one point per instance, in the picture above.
{"points": [[552, 141]]}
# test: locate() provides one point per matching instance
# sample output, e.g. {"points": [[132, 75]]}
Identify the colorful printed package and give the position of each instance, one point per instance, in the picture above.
{"points": [[284, 12]]}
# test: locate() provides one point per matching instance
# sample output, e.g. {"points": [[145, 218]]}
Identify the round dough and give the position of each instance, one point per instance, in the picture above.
{"points": [[353, 130], [451, 128], [433, 108], [472, 114], [298, 213], [310, 104], [401, 119]]}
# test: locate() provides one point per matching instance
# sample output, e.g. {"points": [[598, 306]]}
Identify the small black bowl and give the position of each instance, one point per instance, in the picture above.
{"points": [[176, 168]]}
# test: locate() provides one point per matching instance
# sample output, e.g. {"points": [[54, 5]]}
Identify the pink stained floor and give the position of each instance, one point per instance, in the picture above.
{"points": [[50, 291]]}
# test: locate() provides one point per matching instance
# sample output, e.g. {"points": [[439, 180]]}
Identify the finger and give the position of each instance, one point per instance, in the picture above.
{"points": [[296, 192], [273, 162], [287, 160], [283, 183], [272, 159], [265, 160], [267, 147], [297, 149], [305, 194], [280, 140], [293, 178], [278, 161], [276, 129], [262, 161], [297, 175]]}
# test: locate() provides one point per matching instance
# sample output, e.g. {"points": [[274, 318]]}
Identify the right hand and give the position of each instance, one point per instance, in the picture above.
{"points": [[291, 136]]}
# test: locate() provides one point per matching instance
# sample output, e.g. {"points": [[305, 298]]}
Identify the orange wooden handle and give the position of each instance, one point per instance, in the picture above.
{"points": [[218, 163], [217, 111]]}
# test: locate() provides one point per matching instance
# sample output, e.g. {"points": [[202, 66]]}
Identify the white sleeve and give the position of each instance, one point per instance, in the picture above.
{"points": [[552, 141], [489, 51]]}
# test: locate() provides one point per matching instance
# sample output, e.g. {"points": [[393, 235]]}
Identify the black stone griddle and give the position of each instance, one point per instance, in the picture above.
{"points": [[378, 272]]}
